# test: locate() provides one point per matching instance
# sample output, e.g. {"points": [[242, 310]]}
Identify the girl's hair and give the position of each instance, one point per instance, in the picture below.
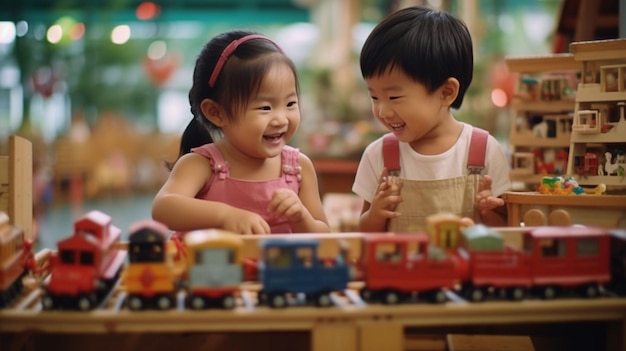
{"points": [[428, 45], [229, 70]]}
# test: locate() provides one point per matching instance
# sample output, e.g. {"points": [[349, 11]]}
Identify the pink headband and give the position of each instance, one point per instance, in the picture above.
{"points": [[229, 51]]}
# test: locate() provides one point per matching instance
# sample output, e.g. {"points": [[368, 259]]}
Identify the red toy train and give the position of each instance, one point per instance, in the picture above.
{"points": [[477, 263], [86, 266]]}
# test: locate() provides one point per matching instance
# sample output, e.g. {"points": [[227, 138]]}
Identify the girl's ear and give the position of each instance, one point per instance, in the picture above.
{"points": [[211, 111], [450, 90]]}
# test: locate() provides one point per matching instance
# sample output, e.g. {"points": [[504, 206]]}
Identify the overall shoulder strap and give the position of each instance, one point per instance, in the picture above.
{"points": [[291, 164], [391, 153], [477, 151], [219, 166]]}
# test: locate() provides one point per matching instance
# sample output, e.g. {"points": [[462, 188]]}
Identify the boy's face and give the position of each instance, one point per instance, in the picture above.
{"points": [[405, 106], [270, 119]]}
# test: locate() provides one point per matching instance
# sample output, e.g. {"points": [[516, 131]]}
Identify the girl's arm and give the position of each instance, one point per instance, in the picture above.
{"points": [[314, 220], [175, 204]]}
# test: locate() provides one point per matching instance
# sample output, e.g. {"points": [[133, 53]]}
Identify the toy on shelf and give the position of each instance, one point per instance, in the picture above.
{"points": [[86, 266], [214, 268], [292, 266], [598, 140], [401, 267], [151, 277], [409, 266], [567, 186], [552, 260], [542, 114]]}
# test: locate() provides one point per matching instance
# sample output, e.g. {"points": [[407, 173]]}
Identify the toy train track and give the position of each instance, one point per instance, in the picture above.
{"points": [[112, 315]]}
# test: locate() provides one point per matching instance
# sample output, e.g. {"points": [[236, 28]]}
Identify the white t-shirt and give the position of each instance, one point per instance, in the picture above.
{"points": [[449, 164]]}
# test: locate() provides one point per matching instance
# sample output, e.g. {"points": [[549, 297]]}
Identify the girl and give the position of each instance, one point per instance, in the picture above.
{"points": [[247, 181]]}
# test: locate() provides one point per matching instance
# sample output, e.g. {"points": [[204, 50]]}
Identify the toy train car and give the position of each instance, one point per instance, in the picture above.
{"points": [[214, 268], [293, 266], [398, 267], [150, 277], [86, 265], [552, 260], [15, 252]]}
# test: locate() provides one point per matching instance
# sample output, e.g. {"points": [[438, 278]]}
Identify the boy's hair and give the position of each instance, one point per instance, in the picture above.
{"points": [[235, 83], [429, 46]]}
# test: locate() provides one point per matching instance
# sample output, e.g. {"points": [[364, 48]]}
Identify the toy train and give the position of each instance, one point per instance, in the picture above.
{"points": [[86, 266], [16, 259], [552, 260], [207, 268]]}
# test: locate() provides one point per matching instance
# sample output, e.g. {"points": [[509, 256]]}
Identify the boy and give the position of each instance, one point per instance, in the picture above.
{"points": [[418, 64]]}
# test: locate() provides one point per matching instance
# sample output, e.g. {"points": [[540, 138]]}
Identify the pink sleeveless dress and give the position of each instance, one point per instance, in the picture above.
{"points": [[253, 196]]}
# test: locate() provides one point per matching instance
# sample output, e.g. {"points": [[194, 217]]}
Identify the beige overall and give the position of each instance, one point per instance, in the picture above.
{"points": [[422, 198]]}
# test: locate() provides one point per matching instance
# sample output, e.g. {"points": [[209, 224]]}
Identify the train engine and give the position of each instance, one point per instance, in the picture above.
{"points": [[214, 268], [292, 266], [151, 276], [402, 267], [86, 265]]}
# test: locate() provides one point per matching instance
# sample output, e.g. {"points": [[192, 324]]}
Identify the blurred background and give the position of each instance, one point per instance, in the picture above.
{"points": [[100, 86]]}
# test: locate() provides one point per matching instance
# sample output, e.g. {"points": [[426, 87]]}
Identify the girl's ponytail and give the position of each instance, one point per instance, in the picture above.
{"points": [[195, 135]]}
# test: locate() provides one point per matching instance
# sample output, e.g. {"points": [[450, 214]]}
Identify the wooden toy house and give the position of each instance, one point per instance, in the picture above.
{"points": [[598, 139], [542, 116]]}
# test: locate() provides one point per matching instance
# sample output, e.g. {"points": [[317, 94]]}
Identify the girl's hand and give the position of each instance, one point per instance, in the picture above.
{"points": [[245, 222], [286, 203], [485, 201]]}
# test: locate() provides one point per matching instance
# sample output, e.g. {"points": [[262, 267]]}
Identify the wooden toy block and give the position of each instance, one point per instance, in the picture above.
{"points": [[16, 184]]}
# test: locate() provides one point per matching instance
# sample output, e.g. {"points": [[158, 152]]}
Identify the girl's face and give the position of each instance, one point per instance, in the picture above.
{"points": [[405, 106], [270, 119]]}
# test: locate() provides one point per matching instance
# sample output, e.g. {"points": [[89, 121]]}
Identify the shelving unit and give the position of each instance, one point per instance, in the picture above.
{"points": [[598, 141], [542, 115]]}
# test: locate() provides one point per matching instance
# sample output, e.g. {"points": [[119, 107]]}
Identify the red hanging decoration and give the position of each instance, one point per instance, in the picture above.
{"points": [[159, 71]]}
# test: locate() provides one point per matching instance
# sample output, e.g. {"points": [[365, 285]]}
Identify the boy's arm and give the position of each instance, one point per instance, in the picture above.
{"points": [[375, 215], [497, 217]]}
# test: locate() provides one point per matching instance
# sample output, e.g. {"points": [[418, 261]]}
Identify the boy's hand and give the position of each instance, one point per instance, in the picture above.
{"points": [[485, 201], [387, 196], [286, 203], [246, 222]]}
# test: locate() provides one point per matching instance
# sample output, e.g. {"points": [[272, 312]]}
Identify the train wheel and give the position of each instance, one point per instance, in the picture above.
{"points": [[135, 303], [323, 300], [197, 302], [591, 291], [391, 298], [438, 296], [47, 302], [277, 301], [549, 292], [86, 302], [164, 302], [228, 302], [516, 294], [366, 295], [476, 294]]}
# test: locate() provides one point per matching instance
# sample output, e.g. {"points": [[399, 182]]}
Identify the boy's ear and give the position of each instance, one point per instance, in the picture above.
{"points": [[212, 111], [450, 90]]}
